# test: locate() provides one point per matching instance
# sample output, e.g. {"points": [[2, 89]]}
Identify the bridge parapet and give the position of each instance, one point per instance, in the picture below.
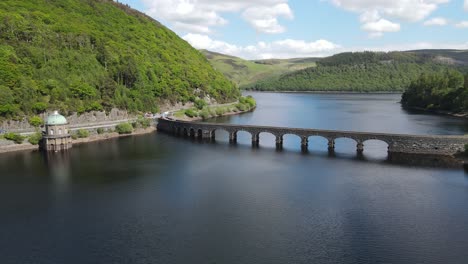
{"points": [[397, 143]]}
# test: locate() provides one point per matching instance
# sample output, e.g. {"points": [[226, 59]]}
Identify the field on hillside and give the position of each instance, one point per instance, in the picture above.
{"points": [[245, 72]]}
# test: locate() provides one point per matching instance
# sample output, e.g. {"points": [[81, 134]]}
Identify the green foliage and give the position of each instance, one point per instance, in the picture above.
{"points": [[144, 122], [249, 100], [246, 103], [439, 91], [360, 78], [205, 114], [242, 107], [93, 55], [124, 128], [17, 138], [35, 121], [100, 130], [74, 136], [200, 103], [35, 138], [39, 107], [220, 111], [82, 133], [191, 113], [357, 72]]}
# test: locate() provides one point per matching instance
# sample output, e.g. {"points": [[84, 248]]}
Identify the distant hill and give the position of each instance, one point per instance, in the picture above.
{"points": [[83, 55], [246, 72], [456, 57], [365, 71]]}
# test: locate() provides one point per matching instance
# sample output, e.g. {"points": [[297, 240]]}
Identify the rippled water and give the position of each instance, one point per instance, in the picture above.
{"points": [[162, 199]]}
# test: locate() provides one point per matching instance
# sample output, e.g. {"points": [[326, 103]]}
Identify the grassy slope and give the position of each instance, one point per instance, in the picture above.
{"points": [[83, 55], [245, 72]]}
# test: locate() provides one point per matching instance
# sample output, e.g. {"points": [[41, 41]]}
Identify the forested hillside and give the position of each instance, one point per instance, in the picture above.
{"points": [[444, 91], [360, 72], [83, 55]]}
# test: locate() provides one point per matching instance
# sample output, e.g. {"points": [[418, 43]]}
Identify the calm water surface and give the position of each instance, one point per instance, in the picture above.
{"points": [[162, 199]]}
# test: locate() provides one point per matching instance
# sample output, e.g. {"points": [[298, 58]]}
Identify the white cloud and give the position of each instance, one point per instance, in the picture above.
{"points": [[287, 48], [376, 28], [462, 24], [437, 21], [466, 5], [264, 19], [373, 13], [200, 16]]}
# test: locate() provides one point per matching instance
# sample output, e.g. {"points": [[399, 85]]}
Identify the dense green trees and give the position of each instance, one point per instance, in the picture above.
{"points": [[447, 91], [357, 72], [83, 55]]}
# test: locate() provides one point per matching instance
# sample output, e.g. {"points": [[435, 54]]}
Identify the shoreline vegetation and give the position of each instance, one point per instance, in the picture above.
{"points": [[12, 142], [443, 93], [202, 111]]}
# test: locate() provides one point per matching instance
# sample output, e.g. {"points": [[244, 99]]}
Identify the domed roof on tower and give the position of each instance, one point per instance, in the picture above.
{"points": [[56, 119]]}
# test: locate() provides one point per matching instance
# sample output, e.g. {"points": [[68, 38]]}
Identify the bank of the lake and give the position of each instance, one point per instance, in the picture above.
{"points": [[234, 108], [204, 112], [461, 115], [25, 146]]}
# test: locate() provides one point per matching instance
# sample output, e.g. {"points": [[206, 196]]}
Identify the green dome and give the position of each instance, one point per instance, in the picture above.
{"points": [[56, 119]]}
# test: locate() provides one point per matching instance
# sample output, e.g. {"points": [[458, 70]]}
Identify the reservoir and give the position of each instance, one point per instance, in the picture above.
{"points": [[157, 198]]}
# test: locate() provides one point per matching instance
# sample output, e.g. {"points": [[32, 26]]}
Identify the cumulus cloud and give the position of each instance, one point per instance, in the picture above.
{"points": [[374, 13], [200, 16], [462, 24], [378, 27], [264, 19], [290, 48], [466, 5], [287, 48], [437, 21]]}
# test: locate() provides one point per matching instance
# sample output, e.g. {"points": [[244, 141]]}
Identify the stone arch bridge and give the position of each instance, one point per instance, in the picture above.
{"points": [[433, 145]]}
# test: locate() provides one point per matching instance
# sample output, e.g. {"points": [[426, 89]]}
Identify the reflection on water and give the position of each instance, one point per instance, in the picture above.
{"points": [[163, 199]]}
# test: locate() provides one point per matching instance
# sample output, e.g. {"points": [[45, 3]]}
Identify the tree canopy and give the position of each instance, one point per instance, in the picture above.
{"points": [[447, 91], [83, 55], [358, 72]]}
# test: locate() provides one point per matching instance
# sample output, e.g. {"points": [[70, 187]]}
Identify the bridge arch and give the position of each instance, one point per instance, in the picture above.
{"points": [[220, 133], [294, 140], [319, 143], [347, 145], [243, 135], [192, 132], [266, 138], [376, 148]]}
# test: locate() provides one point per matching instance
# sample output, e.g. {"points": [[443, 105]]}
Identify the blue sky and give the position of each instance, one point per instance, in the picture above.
{"points": [[254, 29]]}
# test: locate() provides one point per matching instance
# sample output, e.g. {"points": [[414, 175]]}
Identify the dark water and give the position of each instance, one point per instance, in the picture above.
{"points": [[161, 199]]}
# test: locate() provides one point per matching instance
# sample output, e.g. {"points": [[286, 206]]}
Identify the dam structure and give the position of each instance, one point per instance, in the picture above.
{"points": [[400, 146]]}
